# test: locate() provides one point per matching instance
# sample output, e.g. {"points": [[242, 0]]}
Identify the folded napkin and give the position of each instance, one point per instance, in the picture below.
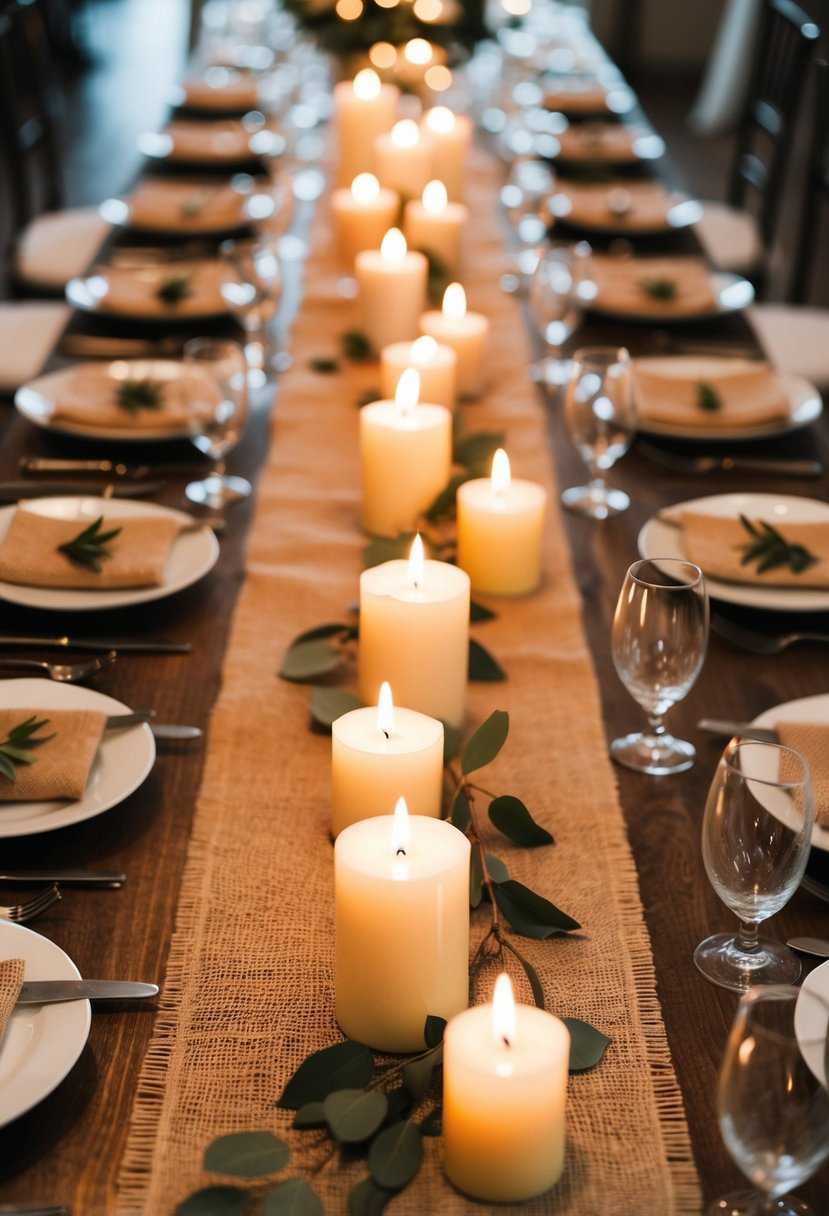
{"points": [[716, 543], [234, 91], [220, 141], [811, 740], [185, 206], [133, 291], [622, 285], [89, 397], [29, 551], [598, 141], [708, 392], [11, 981], [61, 764], [577, 98], [648, 204]]}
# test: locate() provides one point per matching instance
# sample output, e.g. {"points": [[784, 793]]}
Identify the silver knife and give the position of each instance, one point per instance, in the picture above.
{"points": [[161, 730], [77, 878], [94, 347], [745, 730], [11, 491], [768, 464], [134, 645], [51, 464], [45, 992]]}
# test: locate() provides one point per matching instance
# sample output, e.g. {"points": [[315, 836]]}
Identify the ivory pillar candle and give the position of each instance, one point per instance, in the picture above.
{"points": [[504, 1096], [405, 458], [403, 159], [466, 332], [414, 632], [391, 290], [500, 525], [401, 897], [451, 135], [363, 109], [435, 363], [362, 215], [435, 226]]}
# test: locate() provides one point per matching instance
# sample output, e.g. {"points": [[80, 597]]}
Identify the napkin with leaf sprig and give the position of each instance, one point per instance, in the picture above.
{"points": [[653, 287], [47, 754], [140, 400], [708, 393], [811, 740], [11, 981], [168, 290], [764, 551], [162, 205]]}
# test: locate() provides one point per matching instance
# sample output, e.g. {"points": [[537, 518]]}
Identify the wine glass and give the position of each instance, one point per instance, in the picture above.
{"points": [[524, 196], [560, 287], [252, 288], [660, 634], [756, 834], [773, 1111], [600, 417], [222, 412]]}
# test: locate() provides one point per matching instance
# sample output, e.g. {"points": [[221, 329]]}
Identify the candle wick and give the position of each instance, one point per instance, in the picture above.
{"points": [[386, 733], [506, 1041], [400, 853]]}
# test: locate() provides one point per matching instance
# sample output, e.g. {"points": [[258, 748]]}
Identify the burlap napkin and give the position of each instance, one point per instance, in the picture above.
{"points": [[185, 206], [574, 98], [622, 285], [708, 393], [29, 551], [133, 291], [237, 91], [226, 140], [597, 141], [716, 544], [11, 980], [89, 398], [61, 764], [811, 740], [648, 204]]}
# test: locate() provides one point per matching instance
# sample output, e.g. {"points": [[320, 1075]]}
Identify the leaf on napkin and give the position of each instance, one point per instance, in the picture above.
{"points": [[658, 288], [135, 395], [89, 547], [770, 549], [176, 288], [16, 748], [707, 397]]}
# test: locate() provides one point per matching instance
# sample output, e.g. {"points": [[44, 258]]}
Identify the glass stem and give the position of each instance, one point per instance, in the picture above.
{"points": [[655, 721], [746, 939], [219, 467]]}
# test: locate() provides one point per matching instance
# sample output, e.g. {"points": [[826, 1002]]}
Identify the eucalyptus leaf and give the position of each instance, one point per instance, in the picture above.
{"points": [[477, 612], [418, 1073], [452, 738], [324, 631], [529, 971], [214, 1201], [368, 1199], [247, 1154], [400, 1103], [356, 346], [461, 815], [305, 661], [324, 366], [386, 548], [587, 1044], [482, 666], [475, 451], [328, 704], [432, 1125], [344, 1065], [353, 1115], [444, 502], [486, 742], [511, 817], [292, 1198], [530, 914], [498, 871], [312, 1114], [434, 1030], [476, 877], [395, 1156]]}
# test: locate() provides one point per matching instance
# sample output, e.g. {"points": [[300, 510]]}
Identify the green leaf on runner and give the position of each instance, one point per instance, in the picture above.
{"points": [[344, 1065], [511, 817], [386, 548], [475, 452], [312, 1114], [368, 1199], [529, 971], [530, 914], [395, 1156], [247, 1154], [476, 877], [328, 704], [452, 739], [477, 612], [444, 502], [215, 1201], [295, 1197], [587, 1044], [305, 661], [418, 1073], [356, 346], [487, 741], [353, 1115], [461, 816], [325, 367], [482, 666], [433, 1030]]}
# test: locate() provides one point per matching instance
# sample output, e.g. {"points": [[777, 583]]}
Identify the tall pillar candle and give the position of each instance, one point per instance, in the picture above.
{"points": [[379, 754], [361, 216], [435, 363], [414, 632], [403, 159], [500, 530], [504, 1097], [405, 458], [401, 895], [435, 226], [451, 135], [466, 332], [391, 290], [363, 109]]}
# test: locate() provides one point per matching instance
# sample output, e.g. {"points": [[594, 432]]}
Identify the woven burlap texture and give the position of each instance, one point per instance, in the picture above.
{"points": [[248, 992]]}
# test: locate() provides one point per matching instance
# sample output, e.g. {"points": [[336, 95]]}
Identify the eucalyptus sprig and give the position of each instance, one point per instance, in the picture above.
{"points": [[89, 547], [770, 549], [658, 288], [175, 288], [19, 744], [135, 395], [707, 397]]}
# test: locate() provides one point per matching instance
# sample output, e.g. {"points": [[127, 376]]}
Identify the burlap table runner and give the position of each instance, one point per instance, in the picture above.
{"points": [[248, 991]]}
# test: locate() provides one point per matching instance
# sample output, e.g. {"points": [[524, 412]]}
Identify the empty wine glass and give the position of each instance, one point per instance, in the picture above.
{"points": [[252, 289], [524, 198], [560, 287], [773, 1111], [756, 834], [600, 417], [223, 416], [660, 634]]}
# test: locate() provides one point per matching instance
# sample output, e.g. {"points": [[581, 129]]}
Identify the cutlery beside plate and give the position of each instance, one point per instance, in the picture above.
{"points": [[112, 879], [133, 645], [12, 491], [743, 730], [46, 992]]}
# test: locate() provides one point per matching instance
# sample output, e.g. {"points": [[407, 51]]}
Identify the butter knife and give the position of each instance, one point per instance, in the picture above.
{"points": [[76, 878], [161, 730], [745, 730], [11, 491], [113, 468], [96, 645], [45, 992]]}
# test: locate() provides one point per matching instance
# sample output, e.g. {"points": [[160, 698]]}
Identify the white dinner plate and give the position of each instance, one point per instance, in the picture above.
{"points": [[90, 295], [255, 206], [123, 761], [731, 292], [659, 538], [42, 1042], [234, 143], [36, 400], [811, 1021], [193, 554], [805, 407], [681, 214], [805, 709]]}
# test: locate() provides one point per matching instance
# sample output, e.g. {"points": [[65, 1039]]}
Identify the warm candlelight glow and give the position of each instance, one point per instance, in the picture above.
{"points": [[366, 84], [501, 476], [405, 134], [424, 349], [385, 710], [407, 393], [435, 198], [438, 77], [387, 3], [516, 8], [400, 834], [383, 55], [417, 564], [349, 10], [454, 302], [393, 247], [440, 120], [503, 1011], [365, 188], [417, 50], [428, 10]]}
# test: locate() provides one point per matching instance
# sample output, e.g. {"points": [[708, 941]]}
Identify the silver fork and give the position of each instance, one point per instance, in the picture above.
{"points": [[31, 908], [709, 464], [762, 643], [64, 673]]}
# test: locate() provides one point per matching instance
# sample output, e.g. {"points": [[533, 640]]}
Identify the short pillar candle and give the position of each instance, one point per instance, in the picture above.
{"points": [[361, 216], [403, 158], [391, 290], [435, 226], [500, 531], [450, 134], [435, 363], [466, 332], [504, 1096], [363, 109]]}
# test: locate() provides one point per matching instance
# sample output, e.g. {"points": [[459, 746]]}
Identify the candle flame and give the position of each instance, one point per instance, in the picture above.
{"points": [[349, 10], [424, 349], [366, 84], [365, 188], [400, 834], [385, 710], [393, 247], [440, 119], [417, 50], [501, 478], [503, 1011], [417, 564], [434, 197], [407, 393], [454, 302], [404, 134]]}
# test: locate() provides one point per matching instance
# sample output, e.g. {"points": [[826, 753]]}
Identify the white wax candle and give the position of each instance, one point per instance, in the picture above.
{"points": [[466, 332], [403, 159], [361, 216], [500, 524], [363, 109], [380, 753], [435, 363], [451, 135], [435, 226], [504, 1096], [402, 929], [405, 458], [414, 632], [391, 290]]}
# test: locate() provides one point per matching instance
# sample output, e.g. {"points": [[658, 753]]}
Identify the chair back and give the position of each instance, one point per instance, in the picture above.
{"points": [[816, 195]]}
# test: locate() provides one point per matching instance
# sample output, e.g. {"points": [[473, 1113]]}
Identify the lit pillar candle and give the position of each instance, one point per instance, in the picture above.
{"points": [[380, 753], [362, 215], [435, 363], [500, 525], [405, 458], [416, 59], [466, 332], [504, 1095], [414, 632], [363, 109], [435, 225], [403, 158], [451, 135], [391, 290], [401, 896]]}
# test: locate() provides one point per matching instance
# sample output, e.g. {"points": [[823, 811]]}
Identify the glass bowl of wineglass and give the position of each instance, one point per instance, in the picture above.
{"points": [[560, 286], [252, 288], [600, 417], [223, 415]]}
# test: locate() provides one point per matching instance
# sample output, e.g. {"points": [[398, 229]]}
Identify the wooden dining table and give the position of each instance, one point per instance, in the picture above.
{"points": [[69, 1147]]}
